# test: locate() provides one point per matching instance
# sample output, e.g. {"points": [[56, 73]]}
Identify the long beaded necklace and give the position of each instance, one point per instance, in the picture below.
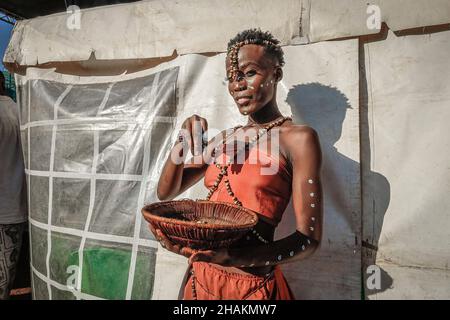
{"points": [[224, 173]]}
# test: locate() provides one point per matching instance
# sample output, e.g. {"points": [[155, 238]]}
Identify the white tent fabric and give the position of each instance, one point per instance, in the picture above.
{"points": [[332, 19], [405, 180], [149, 29]]}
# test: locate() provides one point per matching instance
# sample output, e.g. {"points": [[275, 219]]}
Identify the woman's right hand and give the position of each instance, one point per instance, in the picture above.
{"points": [[194, 131], [169, 245]]}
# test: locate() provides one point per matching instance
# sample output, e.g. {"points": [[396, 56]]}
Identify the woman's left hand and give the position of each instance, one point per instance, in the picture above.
{"points": [[218, 256]]}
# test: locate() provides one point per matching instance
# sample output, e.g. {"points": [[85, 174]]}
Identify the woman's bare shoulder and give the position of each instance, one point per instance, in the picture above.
{"points": [[292, 132], [295, 137]]}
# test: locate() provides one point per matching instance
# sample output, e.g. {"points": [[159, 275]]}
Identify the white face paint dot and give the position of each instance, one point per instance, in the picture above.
{"points": [[313, 218], [309, 242], [262, 85], [303, 247], [267, 263], [279, 257], [311, 228], [291, 253], [312, 194], [310, 181], [252, 265], [312, 205]]}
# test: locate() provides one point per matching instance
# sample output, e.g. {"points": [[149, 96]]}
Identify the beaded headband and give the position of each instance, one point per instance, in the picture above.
{"points": [[234, 50]]}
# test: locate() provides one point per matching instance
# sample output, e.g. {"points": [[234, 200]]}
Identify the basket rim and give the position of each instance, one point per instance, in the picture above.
{"points": [[147, 214]]}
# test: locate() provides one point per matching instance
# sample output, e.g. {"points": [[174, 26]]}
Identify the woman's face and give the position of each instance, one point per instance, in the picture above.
{"points": [[255, 84]]}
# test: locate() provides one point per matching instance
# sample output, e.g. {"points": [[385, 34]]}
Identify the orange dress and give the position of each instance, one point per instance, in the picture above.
{"points": [[262, 183]]}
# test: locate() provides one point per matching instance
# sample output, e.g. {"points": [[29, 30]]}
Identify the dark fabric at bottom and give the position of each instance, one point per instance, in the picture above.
{"points": [[10, 244]]}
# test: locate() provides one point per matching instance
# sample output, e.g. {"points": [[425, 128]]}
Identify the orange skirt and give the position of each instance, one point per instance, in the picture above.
{"points": [[211, 283]]}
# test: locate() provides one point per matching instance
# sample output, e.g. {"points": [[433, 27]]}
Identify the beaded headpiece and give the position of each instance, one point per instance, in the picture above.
{"points": [[234, 50]]}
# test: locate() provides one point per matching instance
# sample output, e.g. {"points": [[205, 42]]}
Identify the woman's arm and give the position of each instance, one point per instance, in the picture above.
{"points": [[176, 176], [303, 147]]}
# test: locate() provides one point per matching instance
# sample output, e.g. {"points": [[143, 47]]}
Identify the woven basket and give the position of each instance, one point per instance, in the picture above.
{"points": [[200, 224]]}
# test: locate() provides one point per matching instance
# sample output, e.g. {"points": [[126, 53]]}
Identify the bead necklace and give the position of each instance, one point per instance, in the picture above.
{"points": [[224, 173], [224, 170]]}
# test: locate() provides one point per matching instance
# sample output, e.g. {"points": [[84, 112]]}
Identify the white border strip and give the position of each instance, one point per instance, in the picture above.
{"points": [[145, 169], [30, 235], [92, 191], [78, 175], [94, 235], [92, 120], [182, 74], [35, 73], [29, 189], [50, 185]]}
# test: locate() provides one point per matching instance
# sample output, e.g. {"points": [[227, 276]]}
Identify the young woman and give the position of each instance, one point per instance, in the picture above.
{"points": [[250, 269]]}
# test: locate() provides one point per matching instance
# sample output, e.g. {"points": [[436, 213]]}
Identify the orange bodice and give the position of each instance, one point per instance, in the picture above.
{"points": [[262, 183]]}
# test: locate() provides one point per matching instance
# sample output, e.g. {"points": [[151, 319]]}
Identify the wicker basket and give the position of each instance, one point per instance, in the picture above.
{"points": [[200, 224]]}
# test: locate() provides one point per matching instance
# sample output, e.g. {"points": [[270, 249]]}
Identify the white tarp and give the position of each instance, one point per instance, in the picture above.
{"points": [[149, 29], [325, 95], [332, 19], [406, 174], [98, 137]]}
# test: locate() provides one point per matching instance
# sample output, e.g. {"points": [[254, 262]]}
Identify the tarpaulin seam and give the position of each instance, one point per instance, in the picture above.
{"points": [[179, 85], [93, 235], [80, 175], [28, 88], [92, 191], [145, 169], [50, 185], [86, 121]]}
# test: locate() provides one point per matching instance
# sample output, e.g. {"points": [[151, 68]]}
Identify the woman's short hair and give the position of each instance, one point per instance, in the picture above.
{"points": [[263, 38]]}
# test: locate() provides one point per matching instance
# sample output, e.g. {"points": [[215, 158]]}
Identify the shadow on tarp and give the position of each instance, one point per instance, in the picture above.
{"points": [[324, 109]]}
